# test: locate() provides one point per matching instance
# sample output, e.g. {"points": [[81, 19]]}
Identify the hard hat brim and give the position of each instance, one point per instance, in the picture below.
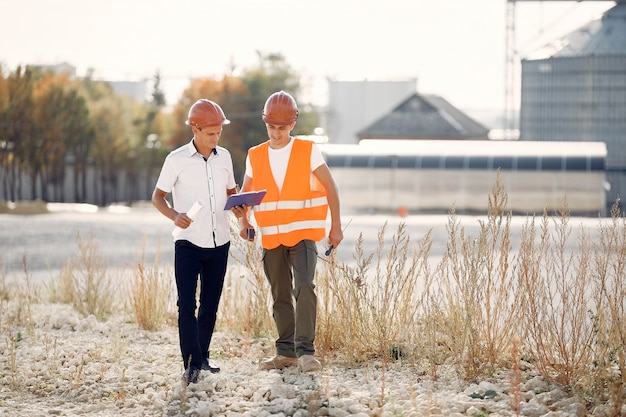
{"points": [[224, 122], [276, 122]]}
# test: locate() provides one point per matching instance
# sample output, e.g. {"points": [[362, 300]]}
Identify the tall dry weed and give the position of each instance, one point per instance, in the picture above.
{"points": [[16, 299], [474, 291], [396, 298], [515, 377], [84, 281], [343, 316], [434, 341], [246, 300], [555, 289], [371, 309], [150, 294], [501, 306], [609, 307]]}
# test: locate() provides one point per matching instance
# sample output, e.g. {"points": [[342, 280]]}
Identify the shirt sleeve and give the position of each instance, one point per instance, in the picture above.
{"points": [[248, 172], [167, 177], [317, 160]]}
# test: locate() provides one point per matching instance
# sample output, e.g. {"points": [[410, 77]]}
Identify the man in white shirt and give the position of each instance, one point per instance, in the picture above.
{"points": [[200, 171]]}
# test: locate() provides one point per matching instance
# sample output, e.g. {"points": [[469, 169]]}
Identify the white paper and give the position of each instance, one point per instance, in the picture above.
{"points": [[197, 206]]}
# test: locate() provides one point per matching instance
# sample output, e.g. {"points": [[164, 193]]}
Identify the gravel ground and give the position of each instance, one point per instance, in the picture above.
{"points": [[64, 365]]}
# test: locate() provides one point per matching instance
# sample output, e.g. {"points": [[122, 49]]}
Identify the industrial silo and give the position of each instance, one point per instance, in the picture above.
{"points": [[574, 89]]}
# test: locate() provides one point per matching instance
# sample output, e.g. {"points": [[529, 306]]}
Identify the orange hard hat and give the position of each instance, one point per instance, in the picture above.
{"points": [[280, 109], [206, 113]]}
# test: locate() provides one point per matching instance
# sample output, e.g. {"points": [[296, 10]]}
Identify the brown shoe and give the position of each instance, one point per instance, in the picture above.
{"points": [[278, 362], [307, 363]]}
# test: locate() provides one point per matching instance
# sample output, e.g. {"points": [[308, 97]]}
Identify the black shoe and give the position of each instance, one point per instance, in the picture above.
{"points": [[190, 376], [207, 367]]}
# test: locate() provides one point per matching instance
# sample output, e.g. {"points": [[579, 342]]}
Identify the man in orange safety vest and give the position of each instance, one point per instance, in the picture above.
{"points": [[300, 190]]}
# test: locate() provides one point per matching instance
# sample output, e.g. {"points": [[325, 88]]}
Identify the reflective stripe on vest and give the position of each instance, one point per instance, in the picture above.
{"points": [[292, 227], [292, 204]]}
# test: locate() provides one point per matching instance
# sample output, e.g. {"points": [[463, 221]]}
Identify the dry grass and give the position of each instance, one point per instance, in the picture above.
{"points": [[485, 307], [85, 283], [515, 377], [473, 294], [16, 300], [370, 310], [560, 329], [609, 310], [246, 300], [151, 293]]}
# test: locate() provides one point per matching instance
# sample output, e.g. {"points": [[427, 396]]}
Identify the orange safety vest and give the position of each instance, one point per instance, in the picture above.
{"points": [[299, 211]]}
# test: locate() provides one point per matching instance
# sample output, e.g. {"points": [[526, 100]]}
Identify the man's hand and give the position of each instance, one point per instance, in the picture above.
{"points": [[239, 211], [182, 220]]}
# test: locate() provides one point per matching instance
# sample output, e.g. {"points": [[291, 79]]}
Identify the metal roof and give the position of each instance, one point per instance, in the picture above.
{"points": [[425, 116], [601, 37], [466, 147], [468, 155]]}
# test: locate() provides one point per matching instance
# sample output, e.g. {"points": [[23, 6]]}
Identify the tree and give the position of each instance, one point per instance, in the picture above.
{"points": [[110, 145], [49, 122], [80, 136], [118, 145], [6, 150], [154, 128], [158, 96], [62, 127], [17, 128]]}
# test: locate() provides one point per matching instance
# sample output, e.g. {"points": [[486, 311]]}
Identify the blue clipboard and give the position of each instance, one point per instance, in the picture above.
{"points": [[251, 198]]}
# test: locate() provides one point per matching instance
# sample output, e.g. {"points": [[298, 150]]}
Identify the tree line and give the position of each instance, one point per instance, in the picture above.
{"points": [[65, 139]]}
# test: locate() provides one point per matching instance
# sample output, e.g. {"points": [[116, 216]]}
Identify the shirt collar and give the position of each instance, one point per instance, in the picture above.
{"points": [[192, 149]]}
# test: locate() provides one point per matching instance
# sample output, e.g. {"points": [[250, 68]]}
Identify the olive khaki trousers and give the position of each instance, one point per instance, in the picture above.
{"points": [[290, 272]]}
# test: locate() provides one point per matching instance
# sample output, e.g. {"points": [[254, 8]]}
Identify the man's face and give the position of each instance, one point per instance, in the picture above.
{"points": [[209, 135], [279, 134]]}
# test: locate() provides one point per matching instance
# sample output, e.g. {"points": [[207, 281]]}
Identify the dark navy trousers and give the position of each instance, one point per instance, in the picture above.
{"points": [[209, 265]]}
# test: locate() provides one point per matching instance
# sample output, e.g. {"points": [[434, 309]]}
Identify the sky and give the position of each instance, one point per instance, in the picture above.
{"points": [[454, 48]]}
